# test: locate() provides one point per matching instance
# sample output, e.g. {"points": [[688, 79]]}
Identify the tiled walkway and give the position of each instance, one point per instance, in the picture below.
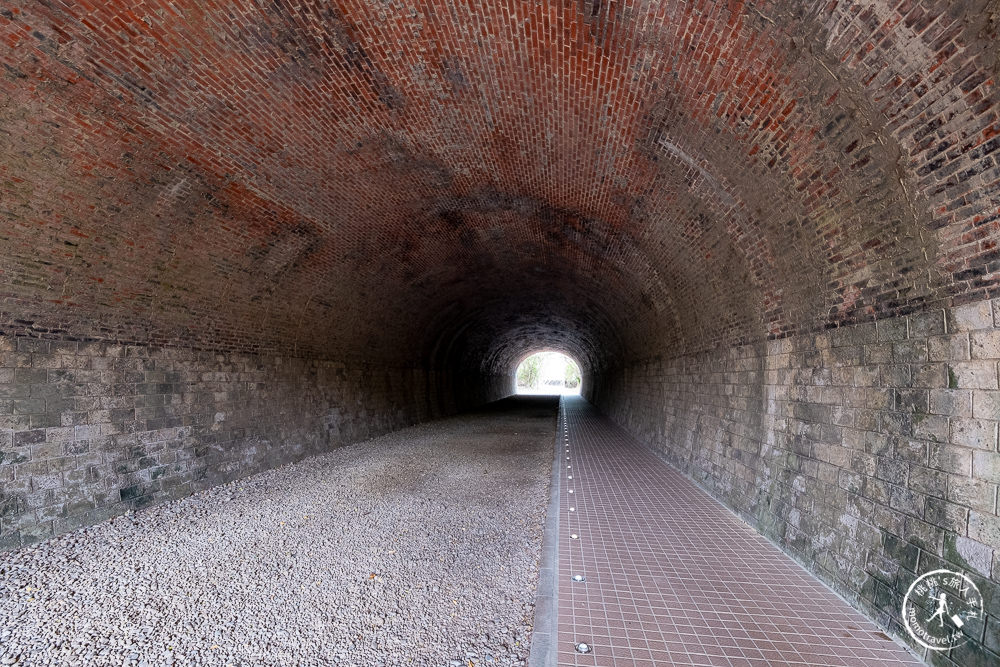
{"points": [[672, 578]]}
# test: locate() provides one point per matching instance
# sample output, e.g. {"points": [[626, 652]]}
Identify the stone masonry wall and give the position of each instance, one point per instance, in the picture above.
{"points": [[869, 453], [91, 430]]}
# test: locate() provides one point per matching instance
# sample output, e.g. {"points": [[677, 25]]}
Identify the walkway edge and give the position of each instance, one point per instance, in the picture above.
{"points": [[543, 651]]}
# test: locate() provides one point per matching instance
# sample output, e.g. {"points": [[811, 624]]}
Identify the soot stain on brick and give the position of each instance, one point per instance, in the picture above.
{"points": [[451, 69], [563, 228], [138, 90], [599, 19], [387, 150], [387, 94], [14, 72], [312, 54], [452, 218]]}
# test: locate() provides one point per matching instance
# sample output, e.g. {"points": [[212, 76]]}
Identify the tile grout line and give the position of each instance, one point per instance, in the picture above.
{"points": [[651, 601], [659, 456]]}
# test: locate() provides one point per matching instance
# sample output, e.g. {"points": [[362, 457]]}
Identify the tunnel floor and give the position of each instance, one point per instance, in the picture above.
{"points": [[417, 548], [673, 578]]}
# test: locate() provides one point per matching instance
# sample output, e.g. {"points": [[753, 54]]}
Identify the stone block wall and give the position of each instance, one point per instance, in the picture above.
{"points": [[869, 452], [89, 430]]}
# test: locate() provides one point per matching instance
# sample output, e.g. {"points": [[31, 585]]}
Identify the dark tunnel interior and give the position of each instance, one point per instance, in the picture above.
{"points": [[238, 233]]}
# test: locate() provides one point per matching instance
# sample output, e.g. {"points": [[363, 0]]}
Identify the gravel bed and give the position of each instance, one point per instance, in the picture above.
{"points": [[416, 548]]}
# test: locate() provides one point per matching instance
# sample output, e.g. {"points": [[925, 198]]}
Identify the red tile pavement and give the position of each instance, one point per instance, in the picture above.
{"points": [[673, 578]]}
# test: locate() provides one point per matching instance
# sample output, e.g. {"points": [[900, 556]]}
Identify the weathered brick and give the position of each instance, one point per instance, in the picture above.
{"points": [[932, 427], [707, 188], [974, 493], [992, 639], [927, 536], [984, 528], [912, 351], [948, 348], [986, 405], [952, 402], [970, 317], [36, 533], [985, 344], [907, 501], [890, 330], [968, 554], [976, 433], [28, 376], [288, 401], [947, 515], [911, 400], [878, 354], [928, 481], [986, 466], [932, 376], [926, 324], [9, 540], [973, 375], [26, 438]]}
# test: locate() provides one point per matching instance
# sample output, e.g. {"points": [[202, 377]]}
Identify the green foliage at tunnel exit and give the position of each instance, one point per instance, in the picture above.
{"points": [[528, 371], [572, 374], [548, 371]]}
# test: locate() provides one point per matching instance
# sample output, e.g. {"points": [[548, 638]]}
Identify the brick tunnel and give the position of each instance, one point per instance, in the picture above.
{"points": [[238, 236]]}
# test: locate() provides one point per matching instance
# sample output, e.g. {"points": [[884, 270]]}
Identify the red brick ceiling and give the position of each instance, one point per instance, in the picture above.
{"points": [[471, 180]]}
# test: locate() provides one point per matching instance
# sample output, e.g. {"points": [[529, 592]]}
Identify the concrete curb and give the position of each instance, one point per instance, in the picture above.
{"points": [[544, 648]]}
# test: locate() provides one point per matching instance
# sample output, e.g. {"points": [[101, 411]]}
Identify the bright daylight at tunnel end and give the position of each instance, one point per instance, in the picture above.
{"points": [[271, 271]]}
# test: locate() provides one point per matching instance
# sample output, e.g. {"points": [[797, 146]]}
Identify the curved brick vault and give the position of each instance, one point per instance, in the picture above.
{"points": [[333, 177], [449, 185]]}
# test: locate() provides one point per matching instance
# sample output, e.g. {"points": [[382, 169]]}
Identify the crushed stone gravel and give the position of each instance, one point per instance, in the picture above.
{"points": [[420, 547]]}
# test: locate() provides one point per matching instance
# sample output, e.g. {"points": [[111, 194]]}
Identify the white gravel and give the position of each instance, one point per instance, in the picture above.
{"points": [[420, 547]]}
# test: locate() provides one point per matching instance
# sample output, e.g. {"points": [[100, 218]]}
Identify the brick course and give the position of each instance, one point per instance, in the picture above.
{"points": [[793, 206], [249, 175]]}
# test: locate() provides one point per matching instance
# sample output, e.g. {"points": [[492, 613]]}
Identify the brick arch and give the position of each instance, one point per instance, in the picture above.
{"points": [[683, 145], [768, 231]]}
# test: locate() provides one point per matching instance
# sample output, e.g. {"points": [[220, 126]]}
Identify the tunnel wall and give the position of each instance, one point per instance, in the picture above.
{"points": [[89, 430], [484, 388], [869, 452]]}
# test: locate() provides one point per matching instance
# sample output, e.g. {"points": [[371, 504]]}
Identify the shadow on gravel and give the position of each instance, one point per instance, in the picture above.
{"points": [[535, 407]]}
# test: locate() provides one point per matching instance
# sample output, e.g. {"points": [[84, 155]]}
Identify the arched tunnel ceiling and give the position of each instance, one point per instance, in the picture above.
{"points": [[464, 180]]}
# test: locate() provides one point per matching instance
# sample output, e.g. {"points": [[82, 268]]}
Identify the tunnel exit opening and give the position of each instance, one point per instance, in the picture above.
{"points": [[548, 373]]}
